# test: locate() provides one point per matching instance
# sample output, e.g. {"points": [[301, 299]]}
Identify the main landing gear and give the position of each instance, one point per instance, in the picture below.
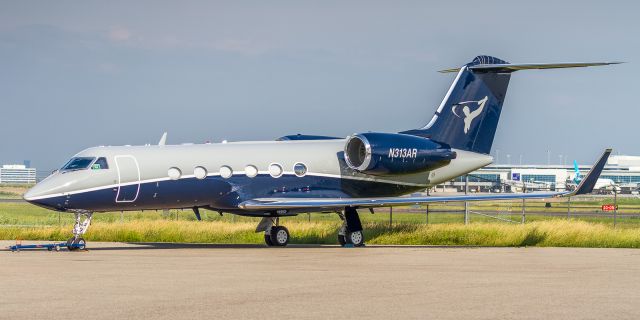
{"points": [[275, 235], [350, 233], [83, 220]]}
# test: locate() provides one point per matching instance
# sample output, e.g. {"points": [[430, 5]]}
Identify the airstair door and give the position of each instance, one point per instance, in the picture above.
{"points": [[128, 178]]}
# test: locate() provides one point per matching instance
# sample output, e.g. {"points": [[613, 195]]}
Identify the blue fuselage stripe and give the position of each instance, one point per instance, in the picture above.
{"points": [[219, 193]]}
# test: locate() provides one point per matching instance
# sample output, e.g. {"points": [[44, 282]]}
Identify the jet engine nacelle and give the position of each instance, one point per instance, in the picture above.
{"points": [[393, 153]]}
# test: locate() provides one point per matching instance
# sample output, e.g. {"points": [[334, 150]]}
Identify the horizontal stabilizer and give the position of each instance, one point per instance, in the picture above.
{"points": [[511, 67]]}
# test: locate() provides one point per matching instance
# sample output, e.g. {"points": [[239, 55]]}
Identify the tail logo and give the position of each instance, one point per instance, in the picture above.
{"points": [[467, 115]]}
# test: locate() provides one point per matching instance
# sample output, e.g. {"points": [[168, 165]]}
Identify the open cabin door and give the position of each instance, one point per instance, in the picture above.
{"points": [[128, 178]]}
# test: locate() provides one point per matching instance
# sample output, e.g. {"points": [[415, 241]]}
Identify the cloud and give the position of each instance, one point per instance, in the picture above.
{"points": [[119, 34]]}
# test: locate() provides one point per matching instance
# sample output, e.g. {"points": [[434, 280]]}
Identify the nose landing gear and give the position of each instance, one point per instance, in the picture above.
{"points": [[83, 221]]}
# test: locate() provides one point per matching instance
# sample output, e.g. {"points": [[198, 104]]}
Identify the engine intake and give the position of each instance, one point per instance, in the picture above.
{"points": [[393, 153]]}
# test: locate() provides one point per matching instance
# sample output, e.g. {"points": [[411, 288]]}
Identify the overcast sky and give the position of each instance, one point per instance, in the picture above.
{"points": [[80, 74]]}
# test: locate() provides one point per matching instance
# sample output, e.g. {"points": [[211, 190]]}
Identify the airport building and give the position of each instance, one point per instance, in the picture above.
{"points": [[17, 173], [623, 171]]}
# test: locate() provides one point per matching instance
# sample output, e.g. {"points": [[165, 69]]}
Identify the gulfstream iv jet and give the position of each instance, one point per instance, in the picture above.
{"points": [[301, 173]]}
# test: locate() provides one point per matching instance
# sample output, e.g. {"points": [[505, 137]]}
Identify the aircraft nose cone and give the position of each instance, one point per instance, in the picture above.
{"points": [[32, 194], [38, 195]]}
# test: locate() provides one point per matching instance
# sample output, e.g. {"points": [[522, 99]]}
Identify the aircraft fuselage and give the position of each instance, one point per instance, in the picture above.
{"points": [[198, 175]]}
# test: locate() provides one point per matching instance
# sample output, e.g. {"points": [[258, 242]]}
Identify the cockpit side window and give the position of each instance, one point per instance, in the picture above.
{"points": [[78, 163], [100, 164]]}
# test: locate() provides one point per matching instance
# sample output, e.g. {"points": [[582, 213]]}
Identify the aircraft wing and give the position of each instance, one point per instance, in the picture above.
{"points": [[585, 186]]}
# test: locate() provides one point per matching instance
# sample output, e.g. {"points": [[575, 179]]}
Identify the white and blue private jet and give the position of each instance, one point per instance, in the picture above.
{"points": [[301, 173]]}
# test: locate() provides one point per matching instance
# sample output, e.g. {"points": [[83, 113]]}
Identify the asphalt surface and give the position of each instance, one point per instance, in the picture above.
{"points": [[181, 281]]}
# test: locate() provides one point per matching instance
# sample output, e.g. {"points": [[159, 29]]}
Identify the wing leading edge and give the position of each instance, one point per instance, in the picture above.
{"points": [[585, 186]]}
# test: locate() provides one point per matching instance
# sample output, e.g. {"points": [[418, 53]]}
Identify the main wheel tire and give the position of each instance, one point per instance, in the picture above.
{"points": [[279, 236], [356, 238], [267, 240], [342, 240]]}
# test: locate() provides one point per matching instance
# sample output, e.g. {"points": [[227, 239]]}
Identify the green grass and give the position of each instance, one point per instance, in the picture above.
{"points": [[8, 195], [13, 191], [543, 233], [28, 222]]}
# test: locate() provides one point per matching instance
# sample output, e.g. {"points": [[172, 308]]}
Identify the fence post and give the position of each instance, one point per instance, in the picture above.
{"points": [[523, 211], [390, 217], [427, 213], [466, 204], [568, 207]]}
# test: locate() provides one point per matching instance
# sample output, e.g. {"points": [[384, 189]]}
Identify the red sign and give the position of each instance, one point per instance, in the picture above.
{"points": [[609, 207]]}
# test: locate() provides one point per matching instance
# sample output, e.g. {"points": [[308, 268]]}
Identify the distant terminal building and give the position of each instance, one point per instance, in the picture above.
{"points": [[624, 171], [17, 173]]}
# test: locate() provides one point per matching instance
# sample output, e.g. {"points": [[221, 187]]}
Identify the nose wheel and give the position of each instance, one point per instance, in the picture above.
{"points": [[74, 244]]}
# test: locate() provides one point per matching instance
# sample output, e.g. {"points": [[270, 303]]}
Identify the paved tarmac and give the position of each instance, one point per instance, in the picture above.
{"points": [[181, 281]]}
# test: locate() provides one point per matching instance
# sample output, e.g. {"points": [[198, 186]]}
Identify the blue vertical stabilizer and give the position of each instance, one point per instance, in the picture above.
{"points": [[468, 116]]}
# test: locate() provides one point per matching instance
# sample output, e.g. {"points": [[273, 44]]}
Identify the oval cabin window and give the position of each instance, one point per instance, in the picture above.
{"points": [[174, 173], [226, 172], [300, 169], [200, 172], [251, 171], [275, 170]]}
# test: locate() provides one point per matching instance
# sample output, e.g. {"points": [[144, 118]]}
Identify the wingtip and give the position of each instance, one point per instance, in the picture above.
{"points": [[589, 181], [451, 70]]}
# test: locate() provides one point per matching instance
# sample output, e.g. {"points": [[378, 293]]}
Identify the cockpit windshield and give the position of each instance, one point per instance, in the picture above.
{"points": [[78, 163]]}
